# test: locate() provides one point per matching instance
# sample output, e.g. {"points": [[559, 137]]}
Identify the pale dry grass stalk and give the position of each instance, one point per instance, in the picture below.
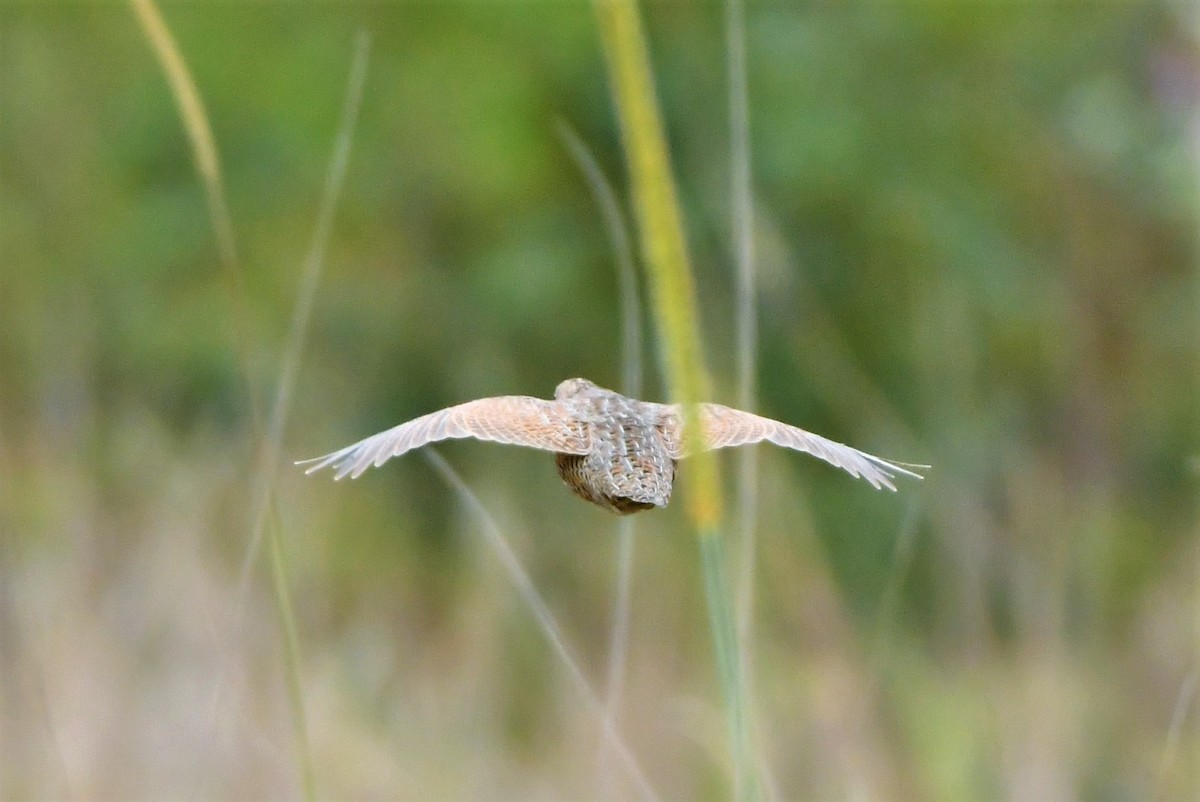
{"points": [[268, 467], [631, 385], [1186, 699], [741, 211], [545, 620], [310, 277], [1184, 702], [269, 442], [208, 165], [195, 124], [889, 600]]}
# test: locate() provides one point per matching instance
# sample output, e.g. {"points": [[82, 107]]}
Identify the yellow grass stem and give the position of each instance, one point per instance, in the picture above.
{"points": [[664, 250], [204, 152]]}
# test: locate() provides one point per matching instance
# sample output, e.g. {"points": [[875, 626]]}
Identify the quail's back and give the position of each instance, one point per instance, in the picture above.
{"points": [[628, 468]]}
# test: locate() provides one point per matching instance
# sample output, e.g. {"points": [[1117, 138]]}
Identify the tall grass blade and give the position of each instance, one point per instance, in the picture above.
{"points": [[729, 660], [1184, 701], [903, 553], [208, 165], [301, 313], [742, 219], [292, 658], [545, 619], [310, 277], [664, 251], [622, 245], [268, 443], [742, 229], [631, 385]]}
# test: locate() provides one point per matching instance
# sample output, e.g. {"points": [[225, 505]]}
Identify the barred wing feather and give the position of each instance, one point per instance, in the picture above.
{"points": [[514, 419], [725, 427]]}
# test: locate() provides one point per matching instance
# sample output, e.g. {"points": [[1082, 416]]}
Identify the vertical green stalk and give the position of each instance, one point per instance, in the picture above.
{"points": [[631, 385], [291, 655], [729, 663], [742, 229], [664, 251], [742, 233]]}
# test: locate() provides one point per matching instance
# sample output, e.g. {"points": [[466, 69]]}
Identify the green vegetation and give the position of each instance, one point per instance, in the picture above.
{"points": [[974, 239], [664, 249]]}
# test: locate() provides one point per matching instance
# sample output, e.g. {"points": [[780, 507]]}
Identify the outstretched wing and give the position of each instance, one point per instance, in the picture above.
{"points": [[725, 427], [515, 419]]}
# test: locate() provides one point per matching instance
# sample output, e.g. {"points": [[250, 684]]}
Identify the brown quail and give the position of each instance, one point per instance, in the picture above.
{"points": [[616, 452]]}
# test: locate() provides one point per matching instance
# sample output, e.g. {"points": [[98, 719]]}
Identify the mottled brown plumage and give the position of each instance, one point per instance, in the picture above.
{"points": [[616, 452]]}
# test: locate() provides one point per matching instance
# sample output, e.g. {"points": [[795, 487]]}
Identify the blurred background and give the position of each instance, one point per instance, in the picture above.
{"points": [[975, 229]]}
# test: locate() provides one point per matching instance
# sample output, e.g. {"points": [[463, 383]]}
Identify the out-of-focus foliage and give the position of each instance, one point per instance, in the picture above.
{"points": [[976, 241]]}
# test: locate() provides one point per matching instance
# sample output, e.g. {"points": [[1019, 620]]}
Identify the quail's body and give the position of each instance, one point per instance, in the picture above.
{"points": [[628, 468], [616, 452]]}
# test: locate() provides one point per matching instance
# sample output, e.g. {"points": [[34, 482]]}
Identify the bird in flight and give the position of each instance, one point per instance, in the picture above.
{"points": [[616, 452]]}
